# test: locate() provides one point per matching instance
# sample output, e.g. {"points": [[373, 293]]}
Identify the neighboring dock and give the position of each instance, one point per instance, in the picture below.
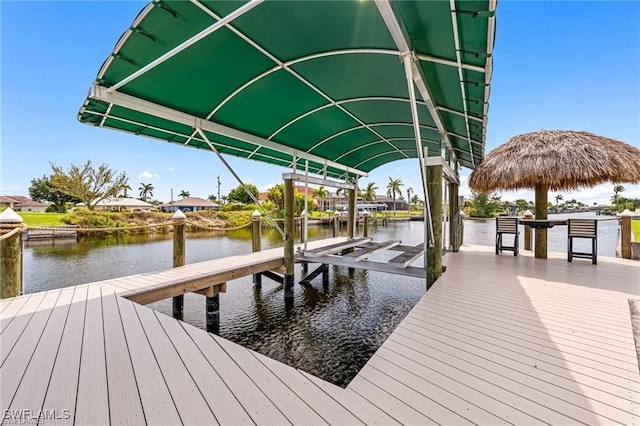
{"points": [[497, 339]]}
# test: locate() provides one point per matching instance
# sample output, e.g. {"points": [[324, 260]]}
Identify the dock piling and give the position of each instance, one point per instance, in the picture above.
{"points": [[625, 235], [256, 241], [434, 254], [179, 225], [212, 306], [11, 255], [289, 243]]}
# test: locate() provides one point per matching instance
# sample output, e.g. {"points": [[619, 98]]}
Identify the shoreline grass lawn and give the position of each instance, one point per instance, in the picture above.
{"points": [[42, 219], [635, 229]]}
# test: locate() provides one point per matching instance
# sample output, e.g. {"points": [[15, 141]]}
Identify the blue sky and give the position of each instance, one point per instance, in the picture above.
{"points": [[557, 65]]}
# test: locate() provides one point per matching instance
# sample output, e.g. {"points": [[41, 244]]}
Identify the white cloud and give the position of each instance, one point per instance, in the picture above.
{"points": [[171, 168], [147, 175], [265, 188]]}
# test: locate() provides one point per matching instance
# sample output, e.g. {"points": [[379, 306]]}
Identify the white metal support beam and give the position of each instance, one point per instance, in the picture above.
{"points": [[131, 102], [463, 92], [184, 45], [416, 129], [385, 9]]}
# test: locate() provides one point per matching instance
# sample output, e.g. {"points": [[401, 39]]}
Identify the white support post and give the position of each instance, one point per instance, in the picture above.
{"points": [[306, 203], [416, 129]]}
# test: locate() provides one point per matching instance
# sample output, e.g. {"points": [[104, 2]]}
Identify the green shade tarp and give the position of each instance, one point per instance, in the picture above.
{"points": [[321, 81]]}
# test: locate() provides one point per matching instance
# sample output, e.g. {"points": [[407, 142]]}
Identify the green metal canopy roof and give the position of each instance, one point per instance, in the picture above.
{"points": [[323, 82]]}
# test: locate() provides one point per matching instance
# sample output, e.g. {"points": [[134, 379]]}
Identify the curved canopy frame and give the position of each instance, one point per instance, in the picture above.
{"points": [[291, 83]]}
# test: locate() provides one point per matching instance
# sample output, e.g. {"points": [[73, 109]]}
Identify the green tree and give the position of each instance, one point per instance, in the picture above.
{"points": [[212, 198], [617, 189], [484, 204], [126, 188], [393, 189], [415, 201], [146, 191], [320, 193], [41, 190], [184, 194], [239, 194], [275, 195], [88, 184], [369, 194]]}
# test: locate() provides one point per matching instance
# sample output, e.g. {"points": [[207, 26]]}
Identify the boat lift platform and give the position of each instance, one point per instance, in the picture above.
{"points": [[340, 254]]}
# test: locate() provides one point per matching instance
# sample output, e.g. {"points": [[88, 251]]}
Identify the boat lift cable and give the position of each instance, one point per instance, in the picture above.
{"points": [[228, 166]]}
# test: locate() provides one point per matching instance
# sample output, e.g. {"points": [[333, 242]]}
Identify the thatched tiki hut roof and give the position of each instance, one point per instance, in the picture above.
{"points": [[555, 160], [560, 159]]}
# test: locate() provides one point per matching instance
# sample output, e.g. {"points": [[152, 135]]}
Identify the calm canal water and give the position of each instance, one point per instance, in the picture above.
{"points": [[330, 331]]}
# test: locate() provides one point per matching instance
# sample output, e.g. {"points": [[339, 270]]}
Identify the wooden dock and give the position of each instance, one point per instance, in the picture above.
{"points": [[497, 339]]}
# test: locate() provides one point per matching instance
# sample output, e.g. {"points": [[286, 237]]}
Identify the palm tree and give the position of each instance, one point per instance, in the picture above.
{"points": [[184, 194], [409, 192], [416, 202], [126, 188], [369, 194], [616, 190], [393, 189], [320, 193], [212, 198], [558, 198], [146, 190]]}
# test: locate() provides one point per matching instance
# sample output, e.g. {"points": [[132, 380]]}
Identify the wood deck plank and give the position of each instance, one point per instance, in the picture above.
{"points": [[431, 372], [92, 402], [327, 407], [364, 410], [125, 406], [188, 399], [606, 381], [292, 406], [401, 411], [222, 401], [32, 389], [480, 379], [577, 401], [418, 401], [12, 311], [19, 343], [256, 402], [157, 404], [443, 404], [63, 383]]}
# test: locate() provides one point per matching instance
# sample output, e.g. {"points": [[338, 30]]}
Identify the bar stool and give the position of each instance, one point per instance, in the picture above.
{"points": [[583, 228], [507, 225]]}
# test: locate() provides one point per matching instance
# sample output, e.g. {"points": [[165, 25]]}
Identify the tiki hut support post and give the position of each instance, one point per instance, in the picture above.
{"points": [[454, 217], [541, 213], [289, 231]]}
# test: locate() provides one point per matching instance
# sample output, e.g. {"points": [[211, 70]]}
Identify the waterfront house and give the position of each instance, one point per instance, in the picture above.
{"points": [[22, 204], [189, 204], [117, 204]]}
